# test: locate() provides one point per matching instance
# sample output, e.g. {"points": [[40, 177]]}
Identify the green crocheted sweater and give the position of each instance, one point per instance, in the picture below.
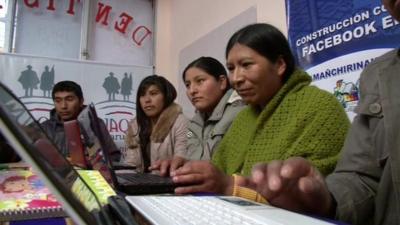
{"points": [[300, 120]]}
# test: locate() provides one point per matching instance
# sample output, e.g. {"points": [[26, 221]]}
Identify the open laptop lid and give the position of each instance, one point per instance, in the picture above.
{"points": [[134, 183], [31, 143], [101, 138]]}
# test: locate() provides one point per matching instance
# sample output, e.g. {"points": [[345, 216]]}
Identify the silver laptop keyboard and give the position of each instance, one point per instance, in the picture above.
{"points": [[200, 210]]}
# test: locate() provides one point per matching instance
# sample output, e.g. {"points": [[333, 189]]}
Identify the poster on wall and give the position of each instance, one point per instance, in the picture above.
{"points": [[335, 40], [112, 88]]}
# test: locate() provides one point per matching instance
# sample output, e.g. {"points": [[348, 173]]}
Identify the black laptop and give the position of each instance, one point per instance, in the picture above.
{"points": [[27, 138], [129, 183]]}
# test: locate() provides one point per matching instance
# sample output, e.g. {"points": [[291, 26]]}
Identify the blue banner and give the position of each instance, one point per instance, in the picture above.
{"points": [[334, 41], [320, 30]]}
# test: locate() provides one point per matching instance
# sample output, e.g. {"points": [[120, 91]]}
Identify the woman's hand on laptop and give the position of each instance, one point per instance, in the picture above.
{"points": [[168, 166], [201, 176], [293, 184]]}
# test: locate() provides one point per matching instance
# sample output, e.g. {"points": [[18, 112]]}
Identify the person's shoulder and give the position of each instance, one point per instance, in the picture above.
{"points": [[370, 75], [387, 57], [182, 116], [318, 92], [318, 98], [52, 120], [383, 61], [46, 123], [133, 127], [133, 122], [195, 124], [245, 112], [49, 126], [181, 119]]}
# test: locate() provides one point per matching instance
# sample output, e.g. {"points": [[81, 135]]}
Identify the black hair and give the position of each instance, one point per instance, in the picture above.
{"points": [[267, 41], [210, 66], [144, 123], [68, 86]]}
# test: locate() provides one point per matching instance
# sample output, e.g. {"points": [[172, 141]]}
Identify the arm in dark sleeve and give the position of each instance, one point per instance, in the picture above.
{"points": [[355, 180]]}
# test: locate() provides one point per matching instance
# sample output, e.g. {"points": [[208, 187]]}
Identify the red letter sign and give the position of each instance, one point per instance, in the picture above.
{"points": [[103, 13], [147, 32], [51, 5], [35, 3], [71, 7], [126, 19]]}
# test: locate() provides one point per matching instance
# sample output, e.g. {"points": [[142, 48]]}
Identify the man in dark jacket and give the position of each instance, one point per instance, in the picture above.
{"points": [[68, 105]]}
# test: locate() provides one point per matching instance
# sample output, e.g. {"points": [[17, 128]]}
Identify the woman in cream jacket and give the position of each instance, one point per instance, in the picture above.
{"points": [[159, 130]]}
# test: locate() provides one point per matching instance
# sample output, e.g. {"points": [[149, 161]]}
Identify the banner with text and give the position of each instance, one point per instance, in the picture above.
{"points": [[335, 41], [112, 88]]}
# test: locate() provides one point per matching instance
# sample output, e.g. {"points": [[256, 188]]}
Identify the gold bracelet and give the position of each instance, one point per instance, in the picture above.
{"points": [[235, 186], [246, 193]]}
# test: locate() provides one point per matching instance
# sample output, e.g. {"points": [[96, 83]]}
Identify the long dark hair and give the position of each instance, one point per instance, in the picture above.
{"points": [[210, 66], [267, 41], [144, 123]]}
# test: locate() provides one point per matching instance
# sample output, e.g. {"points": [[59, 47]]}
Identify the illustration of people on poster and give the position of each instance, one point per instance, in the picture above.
{"points": [[335, 40]]}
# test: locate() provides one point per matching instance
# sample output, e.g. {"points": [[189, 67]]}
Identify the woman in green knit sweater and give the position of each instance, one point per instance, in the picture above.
{"points": [[286, 116]]}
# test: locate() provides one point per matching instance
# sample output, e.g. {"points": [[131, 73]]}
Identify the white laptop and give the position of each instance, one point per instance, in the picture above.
{"points": [[219, 210]]}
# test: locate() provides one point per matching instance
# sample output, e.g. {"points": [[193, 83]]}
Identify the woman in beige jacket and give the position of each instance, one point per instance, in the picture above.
{"points": [[159, 129]]}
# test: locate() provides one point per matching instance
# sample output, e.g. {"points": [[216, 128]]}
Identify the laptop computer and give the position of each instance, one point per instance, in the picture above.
{"points": [[27, 138], [131, 183], [164, 210]]}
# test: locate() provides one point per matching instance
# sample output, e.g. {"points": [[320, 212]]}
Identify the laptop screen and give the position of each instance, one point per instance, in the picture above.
{"points": [[101, 135], [31, 143]]}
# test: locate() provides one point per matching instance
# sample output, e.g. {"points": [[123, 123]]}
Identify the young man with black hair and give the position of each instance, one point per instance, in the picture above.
{"points": [[68, 105]]}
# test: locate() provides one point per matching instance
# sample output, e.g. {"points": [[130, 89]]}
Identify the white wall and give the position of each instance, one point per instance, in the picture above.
{"points": [[180, 23]]}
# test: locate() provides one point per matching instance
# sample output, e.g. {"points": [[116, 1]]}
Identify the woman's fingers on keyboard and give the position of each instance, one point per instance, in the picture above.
{"points": [[187, 168], [164, 167], [191, 183], [193, 166], [189, 189], [192, 178], [176, 163], [200, 176], [156, 165]]}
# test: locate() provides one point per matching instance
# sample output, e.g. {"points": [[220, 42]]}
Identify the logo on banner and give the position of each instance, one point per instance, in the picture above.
{"points": [[112, 86], [30, 81], [117, 108], [347, 93]]}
